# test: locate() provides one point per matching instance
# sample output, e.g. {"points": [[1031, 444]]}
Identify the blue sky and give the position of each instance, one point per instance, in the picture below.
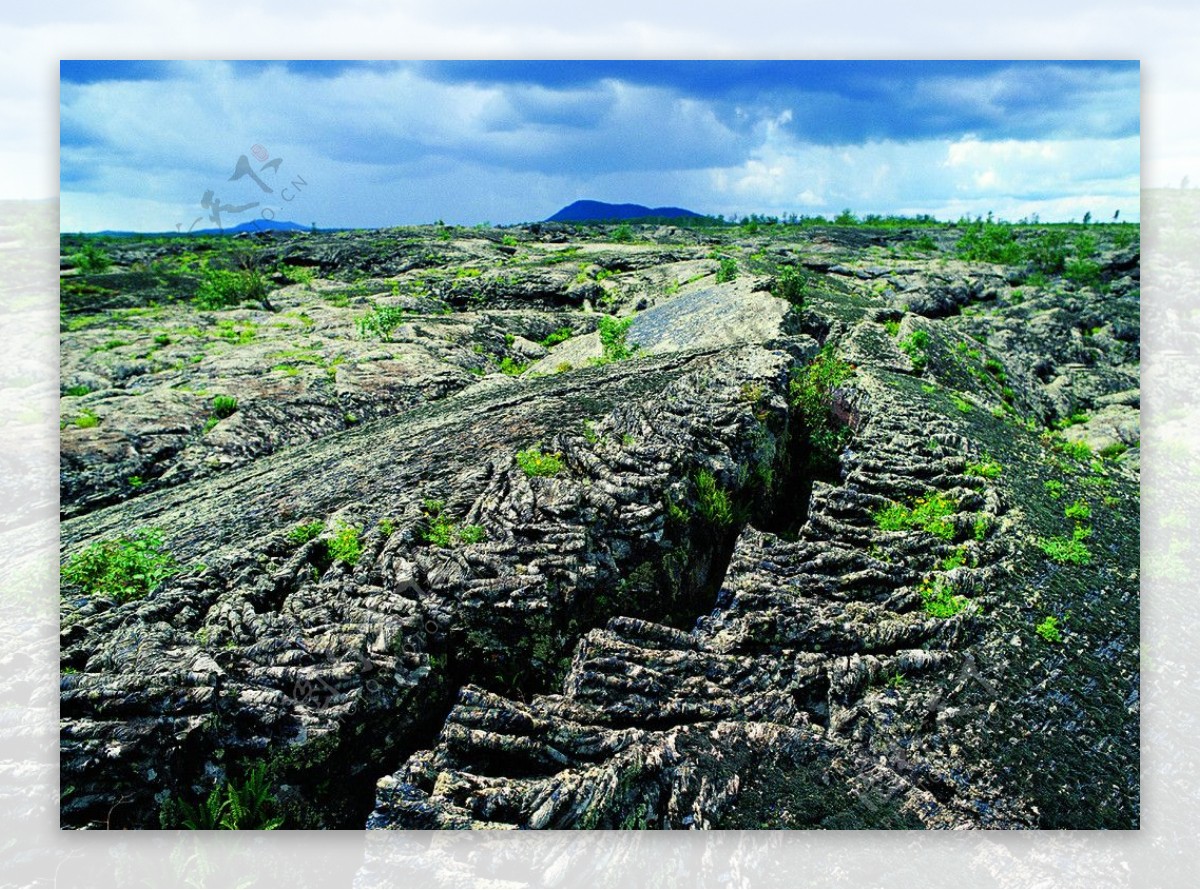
{"points": [[388, 143]]}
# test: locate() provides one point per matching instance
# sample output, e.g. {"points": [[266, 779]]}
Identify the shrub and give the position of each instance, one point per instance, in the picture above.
{"points": [[789, 285], [1068, 551], [811, 391], [727, 271], [915, 346], [511, 367], [345, 544], [1048, 629], [1048, 254], [91, 260], [612, 333], [623, 233], [126, 568], [380, 322], [298, 274], [305, 532], [939, 599], [80, 390], [1078, 510], [222, 288], [986, 468], [559, 336], [224, 406], [929, 513], [535, 463], [892, 327], [713, 501], [990, 243], [439, 531], [250, 805]]}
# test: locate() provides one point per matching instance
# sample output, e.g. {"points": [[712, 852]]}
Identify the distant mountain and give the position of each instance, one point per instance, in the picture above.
{"points": [[599, 211], [254, 225]]}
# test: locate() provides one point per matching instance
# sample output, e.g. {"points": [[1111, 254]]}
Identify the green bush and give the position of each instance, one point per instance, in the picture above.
{"points": [[305, 532], [985, 468], [990, 243], [90, 260], [622, 234], [1078, 510], [612, 333], [789, 285], [125, 568], [1068, 551], [1083, 272], [380, 322], [439, 531], [345, 544], [535, 463], [811, 392], [930, 513], [250, 805], [939, 599], [222, 288], [915, 346], [559, 336], [713, 501], [511, 367], [1048, 629], [727, 271], [298, 274], [224, 406]]}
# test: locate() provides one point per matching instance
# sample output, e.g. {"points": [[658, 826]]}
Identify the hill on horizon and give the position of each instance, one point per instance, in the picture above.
{"points": [[600, 211]]}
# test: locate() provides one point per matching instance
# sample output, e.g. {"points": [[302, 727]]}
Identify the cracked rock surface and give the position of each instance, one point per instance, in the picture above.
{"points": [[641, 582]]}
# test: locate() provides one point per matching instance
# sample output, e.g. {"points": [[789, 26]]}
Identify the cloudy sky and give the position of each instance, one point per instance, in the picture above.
{"points": [[377, 144]]}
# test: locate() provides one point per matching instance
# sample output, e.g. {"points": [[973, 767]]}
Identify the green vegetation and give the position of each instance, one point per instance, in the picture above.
{"points": [[380, 322], [345, 544], [305, 532], [713, 501], [612, 333], [984, 468], [1078, 510], [622, 234], [439, 531], [298, 274], [728, 270], [1048, 629], [125, 568], [811, 392], [223, 288], [511, 367], [939, 599], [80, 390], [559, 336], [892, 326], [535, 463], [1069, 551], [961, 404], [224, 406], [789, 285], [86, 419], [915, 346], [250, 805], [929, 513], [1054, 488], [90, 260]]}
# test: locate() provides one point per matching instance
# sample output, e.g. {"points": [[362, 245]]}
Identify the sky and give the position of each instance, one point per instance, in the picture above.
{"points": [[166, 146]]}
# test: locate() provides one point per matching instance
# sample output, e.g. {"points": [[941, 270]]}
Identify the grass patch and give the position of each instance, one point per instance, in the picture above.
{"points": [[125, 568], [345, 544], [559, 336], [535, 463], [939, 599], [713, 501], [915, 346], [1049, 630], [613, 342], [930, 513]]}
